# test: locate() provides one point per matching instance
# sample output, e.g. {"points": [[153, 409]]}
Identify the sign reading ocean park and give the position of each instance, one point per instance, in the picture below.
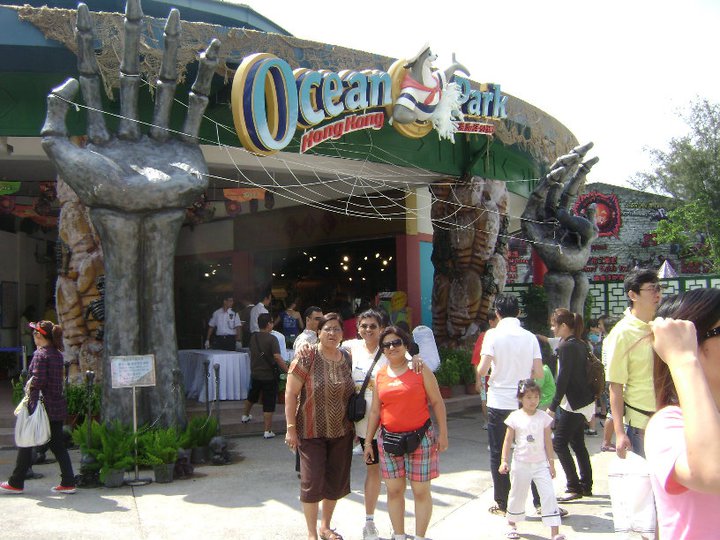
{"points": [[271, 101]]}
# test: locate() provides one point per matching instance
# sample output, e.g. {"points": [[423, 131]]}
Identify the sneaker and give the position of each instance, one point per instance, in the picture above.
{"points": [[370, 531], [246, 418], [7, 488], [64, 489], [268, 435]]}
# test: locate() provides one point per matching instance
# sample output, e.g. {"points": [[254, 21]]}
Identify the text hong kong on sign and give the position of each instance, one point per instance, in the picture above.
{"points": [[270, 100]]}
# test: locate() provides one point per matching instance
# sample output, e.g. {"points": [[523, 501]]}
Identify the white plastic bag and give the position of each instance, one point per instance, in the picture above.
{"points": [[631, 495], [425, 339], [31, 429]]}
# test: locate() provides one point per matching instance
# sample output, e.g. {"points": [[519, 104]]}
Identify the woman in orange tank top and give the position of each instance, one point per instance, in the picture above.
{"points": [[400, 404]]}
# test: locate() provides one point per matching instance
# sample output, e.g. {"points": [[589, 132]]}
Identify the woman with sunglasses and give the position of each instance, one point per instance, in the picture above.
{"points": [[318, 388], [46, 370], [400, 404], [363, 352], [682, 440]]}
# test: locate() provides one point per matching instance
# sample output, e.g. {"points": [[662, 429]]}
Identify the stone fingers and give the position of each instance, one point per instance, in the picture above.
{"points": [[54, 133], [198, 97], [129, 128], [572, 187], [57, 106], [167, 81], [89, 77]]}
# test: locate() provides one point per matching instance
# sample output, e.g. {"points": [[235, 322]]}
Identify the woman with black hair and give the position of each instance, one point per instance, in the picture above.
{"points": [[573, 404]]}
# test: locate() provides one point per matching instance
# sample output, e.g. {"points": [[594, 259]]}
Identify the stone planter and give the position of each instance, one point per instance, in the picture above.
{"points": [[164, 473], [114, 478], [446, 392], [470, 389]]}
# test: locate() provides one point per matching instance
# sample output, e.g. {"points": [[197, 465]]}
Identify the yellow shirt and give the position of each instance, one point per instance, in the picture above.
{"points": [[628, 350]]}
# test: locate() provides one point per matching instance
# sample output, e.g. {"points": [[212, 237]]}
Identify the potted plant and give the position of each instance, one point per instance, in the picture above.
{"points": [[78, 398], [159, 449], [117, 448], [18, 389], [463, 359], [198, 434], [447, 375]]}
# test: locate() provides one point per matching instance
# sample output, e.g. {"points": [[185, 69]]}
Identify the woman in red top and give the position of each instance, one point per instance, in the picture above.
{"points": [[46, 369], [400, 404]]}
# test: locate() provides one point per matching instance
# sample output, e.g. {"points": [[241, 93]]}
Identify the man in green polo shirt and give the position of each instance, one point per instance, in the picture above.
{"points": [[630, 362]]}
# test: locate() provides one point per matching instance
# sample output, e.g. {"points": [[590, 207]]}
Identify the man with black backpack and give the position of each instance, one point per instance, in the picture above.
{"points": [[628, 348]]}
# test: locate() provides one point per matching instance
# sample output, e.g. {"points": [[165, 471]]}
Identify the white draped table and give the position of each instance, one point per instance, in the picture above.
{"points": [[234, 373]]}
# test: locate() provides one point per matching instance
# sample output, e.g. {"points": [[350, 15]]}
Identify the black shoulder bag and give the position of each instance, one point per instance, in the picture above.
{"points": [[357, 406], [273, 365]]}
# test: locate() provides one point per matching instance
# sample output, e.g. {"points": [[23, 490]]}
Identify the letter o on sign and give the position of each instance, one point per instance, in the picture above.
{"points": [[264, 103]]}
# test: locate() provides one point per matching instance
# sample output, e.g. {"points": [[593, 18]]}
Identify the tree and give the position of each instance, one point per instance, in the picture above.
{"points": [[690, 171]]}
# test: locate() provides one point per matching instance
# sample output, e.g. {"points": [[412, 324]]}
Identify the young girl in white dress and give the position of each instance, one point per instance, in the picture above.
{"points": [[529, 430]]}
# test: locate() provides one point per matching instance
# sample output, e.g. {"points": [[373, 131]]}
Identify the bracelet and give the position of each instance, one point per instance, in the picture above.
{"points": [[290, 425]]}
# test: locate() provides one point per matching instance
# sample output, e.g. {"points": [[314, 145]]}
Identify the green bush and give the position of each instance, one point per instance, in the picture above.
{"points": [[199, 432], [158, 446], [80, 438], [18, 389], [77, 397], [117, 448], [459, 366], [448, 373]]}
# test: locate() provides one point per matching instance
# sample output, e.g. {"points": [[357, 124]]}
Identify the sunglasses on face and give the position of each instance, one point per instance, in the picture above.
{"points": [[371, 326], [394, 343]]}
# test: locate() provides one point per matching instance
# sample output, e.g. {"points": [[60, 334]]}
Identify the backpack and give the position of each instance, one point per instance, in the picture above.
{"points": [[595, 371]]}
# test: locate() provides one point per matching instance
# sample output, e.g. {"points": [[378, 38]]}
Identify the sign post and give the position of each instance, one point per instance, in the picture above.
{"points": [[131, 372]]}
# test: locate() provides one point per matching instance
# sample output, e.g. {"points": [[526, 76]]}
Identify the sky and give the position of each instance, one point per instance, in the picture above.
{"points": [[617, 73]]}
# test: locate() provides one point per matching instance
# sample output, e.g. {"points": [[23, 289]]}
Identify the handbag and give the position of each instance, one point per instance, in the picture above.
{"points": [[405, 442], [357, 405], [31, 429]]}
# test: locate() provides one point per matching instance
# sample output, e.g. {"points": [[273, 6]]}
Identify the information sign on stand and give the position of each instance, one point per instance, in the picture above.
{"points": [[131, 372]]}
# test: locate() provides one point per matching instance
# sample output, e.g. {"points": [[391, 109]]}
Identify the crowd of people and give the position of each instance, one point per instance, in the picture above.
{"points": [[662, 402]]}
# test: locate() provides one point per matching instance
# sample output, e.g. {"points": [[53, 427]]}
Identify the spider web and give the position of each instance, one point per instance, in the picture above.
{"points": [[366, 182]]}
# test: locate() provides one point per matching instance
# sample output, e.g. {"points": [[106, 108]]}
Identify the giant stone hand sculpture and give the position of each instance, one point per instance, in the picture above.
{"points": [[137, 188], [562, 240]]}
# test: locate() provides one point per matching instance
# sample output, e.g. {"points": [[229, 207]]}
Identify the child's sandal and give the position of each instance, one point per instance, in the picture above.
{"points": [[512, 534], [559, 537]]}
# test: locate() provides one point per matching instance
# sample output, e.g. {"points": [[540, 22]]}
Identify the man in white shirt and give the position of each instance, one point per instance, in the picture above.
{"points": [[514, 354], [225, 325], [313, 316], [260, 307]]}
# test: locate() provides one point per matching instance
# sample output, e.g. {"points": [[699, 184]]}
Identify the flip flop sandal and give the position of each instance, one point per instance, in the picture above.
{"points": [[330, 535], [512, 534]]}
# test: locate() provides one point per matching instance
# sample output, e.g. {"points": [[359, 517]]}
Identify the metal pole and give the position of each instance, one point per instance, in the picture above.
{"points": [[206, 365], [177, 395], [135, 430], [216, 367], [137, 481]]}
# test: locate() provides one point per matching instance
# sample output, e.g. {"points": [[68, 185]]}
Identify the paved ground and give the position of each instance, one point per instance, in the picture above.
{"points": [[256, 497]]}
